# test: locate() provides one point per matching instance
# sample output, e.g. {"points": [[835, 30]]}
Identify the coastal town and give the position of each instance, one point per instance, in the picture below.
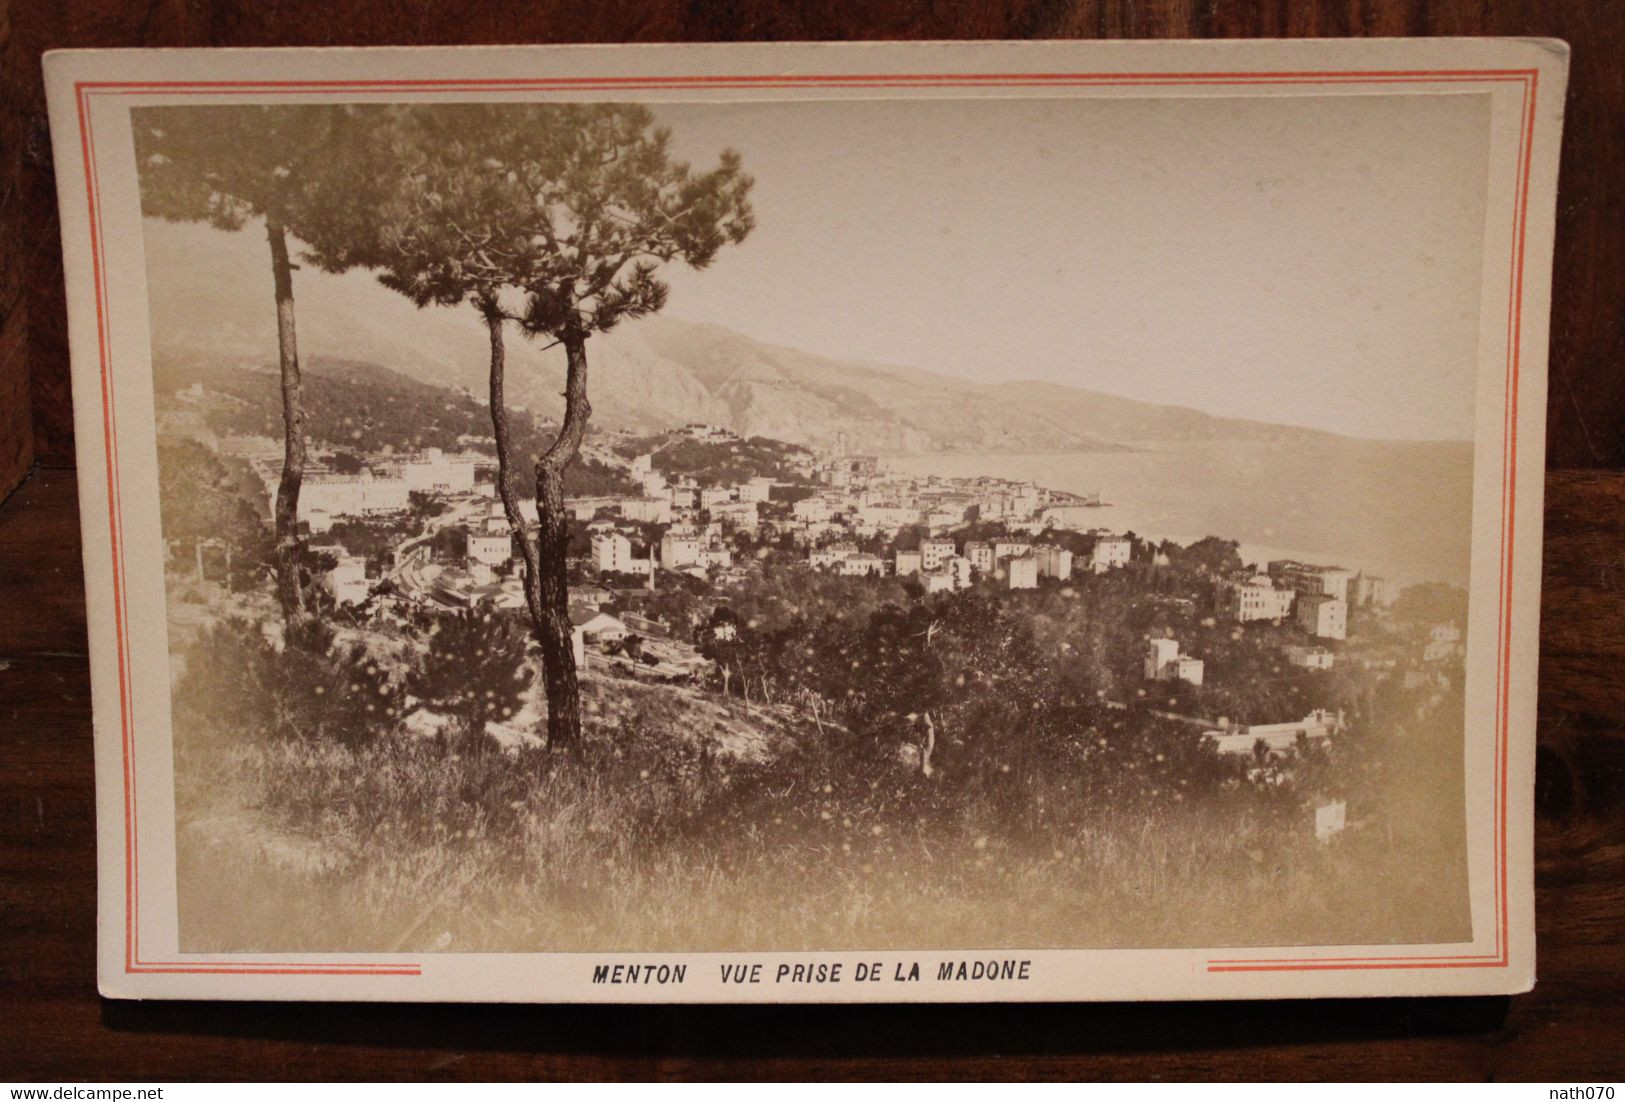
{"points": [[399, 534]]}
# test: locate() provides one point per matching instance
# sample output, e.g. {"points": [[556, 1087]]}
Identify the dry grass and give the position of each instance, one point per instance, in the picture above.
{"points": [[691, 825]]}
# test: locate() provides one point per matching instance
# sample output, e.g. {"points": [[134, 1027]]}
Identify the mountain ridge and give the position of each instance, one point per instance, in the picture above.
{"points": [[657, 373]]}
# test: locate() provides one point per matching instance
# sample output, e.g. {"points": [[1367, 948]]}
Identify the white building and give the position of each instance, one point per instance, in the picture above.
{"points": [[1257, 598], [643, 466], [863, 564], [595, 626], [1163, 662], [1054, 562], [490, 548], [1323, 615], [812, 510], [1331, 818], [325, 498], [1011, 549], [757, 489], [715, 556], [715, 495], [937, 581], [613, 552], [1159, 656], [1110, 552], [347, 581], [907, 562], [740, 514], [1309, 658], [527, 511], [959, 569], [980, 555], [1023, 572], [887, 516], [646, 510], [832, 555], [1372, 591], [678, 550], [1328, 581], [933, 553], [432, 471], [581, 508], [1278, 738]]}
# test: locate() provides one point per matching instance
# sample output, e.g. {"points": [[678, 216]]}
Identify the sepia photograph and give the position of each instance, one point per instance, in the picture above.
{"points": [[639, 525], [595, 549]]}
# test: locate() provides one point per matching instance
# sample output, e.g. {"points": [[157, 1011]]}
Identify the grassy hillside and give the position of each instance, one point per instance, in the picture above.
{"points": [[718, 462], [367, 409], [699, 824]]}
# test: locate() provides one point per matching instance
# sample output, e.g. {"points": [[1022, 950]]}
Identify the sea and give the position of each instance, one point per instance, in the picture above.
{"points": [[1401, 509]]}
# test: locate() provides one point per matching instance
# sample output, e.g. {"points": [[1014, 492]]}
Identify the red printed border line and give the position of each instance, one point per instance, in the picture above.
{"points": [[84, 90], [1500, 958], [133, 962]]}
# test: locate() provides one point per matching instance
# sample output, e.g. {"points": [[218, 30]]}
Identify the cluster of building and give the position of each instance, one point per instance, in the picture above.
{"points": [[836, 506], [711, 434], [382, 486], [859, 499], [862, 501], [1163, 662], [685, 548], [1317, 597], [1442, 644], [1275, 739], [630, 639], [941, 564]]}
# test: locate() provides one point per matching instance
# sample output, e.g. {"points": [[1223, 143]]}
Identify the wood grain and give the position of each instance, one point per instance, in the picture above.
{"points": [[1569, 1029], [1586, 414]]}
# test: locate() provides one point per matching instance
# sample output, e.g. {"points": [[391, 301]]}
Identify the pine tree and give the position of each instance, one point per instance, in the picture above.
{"points": [[287, 166], [554, 218], [474, 669]]}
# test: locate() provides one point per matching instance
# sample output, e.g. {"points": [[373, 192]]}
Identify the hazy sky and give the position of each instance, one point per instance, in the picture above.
{"points": [[1309, 260]]}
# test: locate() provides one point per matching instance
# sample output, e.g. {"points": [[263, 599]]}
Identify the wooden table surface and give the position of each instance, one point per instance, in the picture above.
{"points": [[54, 1027]]}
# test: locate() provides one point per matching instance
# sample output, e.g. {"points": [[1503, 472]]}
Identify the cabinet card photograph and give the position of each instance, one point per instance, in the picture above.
{"points": [[957, 522]]}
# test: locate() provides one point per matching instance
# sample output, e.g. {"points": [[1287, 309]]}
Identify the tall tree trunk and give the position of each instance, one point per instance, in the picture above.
{"points": [[552, 618], [290, 590], [530, 574]]}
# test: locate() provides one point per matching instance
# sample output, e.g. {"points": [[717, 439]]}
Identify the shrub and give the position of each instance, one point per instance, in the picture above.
{"points": [[240, 683], [474, 668]]}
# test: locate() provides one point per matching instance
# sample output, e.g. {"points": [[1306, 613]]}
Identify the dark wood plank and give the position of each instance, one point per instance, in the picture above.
{"points": [[42, 581], [1569, 1028], [16, 416], [1587, 409], [1584, 595]]}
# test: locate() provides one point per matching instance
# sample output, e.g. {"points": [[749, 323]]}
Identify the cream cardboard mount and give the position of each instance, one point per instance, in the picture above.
{"points": [[894, 522]]}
